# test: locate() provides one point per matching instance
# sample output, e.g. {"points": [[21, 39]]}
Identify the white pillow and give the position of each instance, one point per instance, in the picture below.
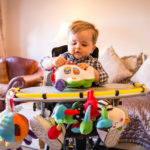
{"points": [[114, 66], [142, 76]]}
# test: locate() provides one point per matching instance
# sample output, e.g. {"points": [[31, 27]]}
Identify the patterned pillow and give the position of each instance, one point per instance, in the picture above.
{"points": [[139, 61], [3, 72], [145, 56], [114, 66], [143, 74], [132, 63]]}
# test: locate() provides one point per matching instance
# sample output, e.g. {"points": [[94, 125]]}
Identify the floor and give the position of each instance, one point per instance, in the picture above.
{"points": [[126, 146]]}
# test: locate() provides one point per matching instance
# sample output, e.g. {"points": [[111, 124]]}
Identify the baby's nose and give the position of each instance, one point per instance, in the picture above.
{"points": [[78, 46]]}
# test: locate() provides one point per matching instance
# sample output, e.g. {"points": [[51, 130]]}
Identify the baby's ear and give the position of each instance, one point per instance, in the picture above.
{"points": [[93, 48]]}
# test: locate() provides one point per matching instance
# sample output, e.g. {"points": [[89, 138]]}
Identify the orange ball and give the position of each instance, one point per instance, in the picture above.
{"points": [[21, 127]]}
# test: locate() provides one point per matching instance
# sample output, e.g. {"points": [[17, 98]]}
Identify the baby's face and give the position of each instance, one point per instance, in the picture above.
{"points": [[80, 44]]}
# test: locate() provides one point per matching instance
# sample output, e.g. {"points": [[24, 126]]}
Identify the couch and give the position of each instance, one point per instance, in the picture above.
{"points": [[17, 72], [130, 69]]}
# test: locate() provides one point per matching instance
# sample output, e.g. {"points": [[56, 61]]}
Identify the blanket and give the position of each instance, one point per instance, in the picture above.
{"points": [[138, 130]]}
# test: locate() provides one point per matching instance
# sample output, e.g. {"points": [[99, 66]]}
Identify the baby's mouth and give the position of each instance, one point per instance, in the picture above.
{"points": [[77, 52]]}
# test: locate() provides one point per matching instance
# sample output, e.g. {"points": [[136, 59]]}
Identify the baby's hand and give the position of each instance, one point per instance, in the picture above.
{"points": [[59, 61], [83, 66]]}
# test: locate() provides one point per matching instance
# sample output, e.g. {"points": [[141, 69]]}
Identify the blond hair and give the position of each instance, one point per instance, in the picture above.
{"points": [[79, 25]]}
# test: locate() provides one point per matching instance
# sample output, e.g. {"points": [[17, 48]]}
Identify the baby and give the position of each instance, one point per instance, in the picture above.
{"points": [[82, 37]]}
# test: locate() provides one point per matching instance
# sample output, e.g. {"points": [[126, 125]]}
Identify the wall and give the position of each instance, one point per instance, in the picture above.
{"points": [[33, 24]]}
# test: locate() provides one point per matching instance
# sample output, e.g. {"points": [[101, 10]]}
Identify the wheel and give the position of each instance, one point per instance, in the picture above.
{"points": [[60, 85]]}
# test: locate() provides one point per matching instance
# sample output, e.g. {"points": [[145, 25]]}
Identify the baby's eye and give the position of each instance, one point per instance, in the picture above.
{"points": [[73, 43], [84, 45]]}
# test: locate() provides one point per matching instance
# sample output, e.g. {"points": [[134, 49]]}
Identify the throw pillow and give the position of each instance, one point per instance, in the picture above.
{"points": [[139, 61], [3, 72], [114, 66], [130, 62], [145, 56], [133, 62], [143, 74]]}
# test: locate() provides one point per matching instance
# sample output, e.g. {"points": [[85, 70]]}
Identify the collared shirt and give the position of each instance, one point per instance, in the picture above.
{"points": [[93, 62]]}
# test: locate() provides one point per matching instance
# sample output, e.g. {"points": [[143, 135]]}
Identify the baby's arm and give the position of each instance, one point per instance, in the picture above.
{"points": [[103, 76], [49, 63], [97, 76]]}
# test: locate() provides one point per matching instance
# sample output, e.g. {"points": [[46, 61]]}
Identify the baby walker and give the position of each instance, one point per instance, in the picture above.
{"points": [[67, 81]]}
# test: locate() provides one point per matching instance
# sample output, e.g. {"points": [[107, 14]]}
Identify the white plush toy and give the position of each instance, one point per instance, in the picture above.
{"points": [[119, 118]]}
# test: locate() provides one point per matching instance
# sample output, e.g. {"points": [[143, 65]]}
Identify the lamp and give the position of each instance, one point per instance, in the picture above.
{"points": [[62, 34]]}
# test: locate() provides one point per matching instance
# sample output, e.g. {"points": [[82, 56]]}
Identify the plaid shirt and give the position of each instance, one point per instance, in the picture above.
{"points": [[93, 62]]}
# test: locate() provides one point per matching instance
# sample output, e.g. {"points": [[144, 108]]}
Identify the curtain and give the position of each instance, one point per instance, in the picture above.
{"points": [[3, 68], [2, 45]]}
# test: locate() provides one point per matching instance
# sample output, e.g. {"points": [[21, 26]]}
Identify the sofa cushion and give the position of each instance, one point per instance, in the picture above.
{"points": [[143, 74], [114, 66], [3, 72]]}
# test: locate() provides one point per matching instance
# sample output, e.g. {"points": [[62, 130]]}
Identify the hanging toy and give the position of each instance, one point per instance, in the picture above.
{"points": [[62, 115], [86, 125], [17, 145], [112, 124], [118, 118], [41, 126], [81, 116], [92, 112], [93, 102], [14, 127], [105, 122]]}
